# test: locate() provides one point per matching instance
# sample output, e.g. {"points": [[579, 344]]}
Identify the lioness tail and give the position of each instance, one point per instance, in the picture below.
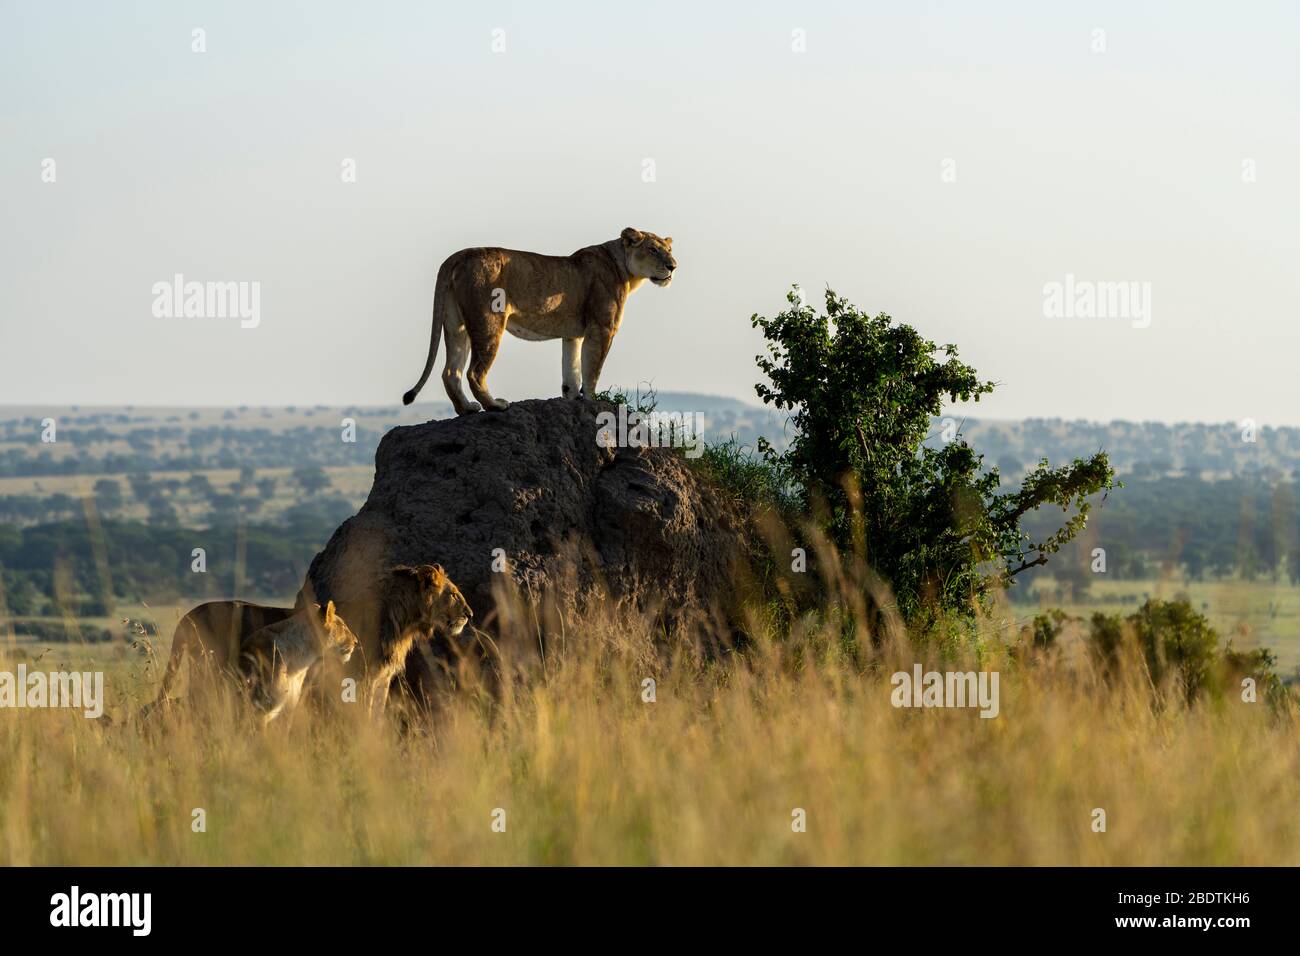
{"points": [[439, 303]]}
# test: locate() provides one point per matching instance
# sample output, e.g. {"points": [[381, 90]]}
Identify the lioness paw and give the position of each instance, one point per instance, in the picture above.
{"points": [[470, 408], [500, 404]]}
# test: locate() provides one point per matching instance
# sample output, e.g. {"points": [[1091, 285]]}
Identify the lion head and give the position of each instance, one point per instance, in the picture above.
{"points": [[428, 596], [649, 256], [339, 639]]}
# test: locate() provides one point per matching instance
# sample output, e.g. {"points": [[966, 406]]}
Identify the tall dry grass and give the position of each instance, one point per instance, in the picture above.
{"points": [[588, 772]]}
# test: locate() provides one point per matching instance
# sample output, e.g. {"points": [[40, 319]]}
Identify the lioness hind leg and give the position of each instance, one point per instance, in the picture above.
{"points": [[458, 351], [486, 343]]}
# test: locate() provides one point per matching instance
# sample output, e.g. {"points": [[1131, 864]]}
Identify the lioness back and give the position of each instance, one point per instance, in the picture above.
{"points": [[210, 637]]}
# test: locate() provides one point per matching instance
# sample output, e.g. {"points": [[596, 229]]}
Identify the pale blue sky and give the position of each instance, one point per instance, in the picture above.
{"points": [[772, 167]]}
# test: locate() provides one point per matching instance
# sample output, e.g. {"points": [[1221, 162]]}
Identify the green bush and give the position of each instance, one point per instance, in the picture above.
{"points": [[1260, 664], [1177, 639], [861, 392], [1047, 627], [1178, 644]]}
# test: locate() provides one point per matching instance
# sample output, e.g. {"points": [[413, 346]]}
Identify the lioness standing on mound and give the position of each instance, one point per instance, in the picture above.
{"points": [[483, 293]]}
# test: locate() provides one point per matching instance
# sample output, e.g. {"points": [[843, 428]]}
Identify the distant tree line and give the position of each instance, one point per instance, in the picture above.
{"points": [[1243, 526], [200, 449], [1146, 449], [183, 443], [243, 498], [86, 568]]}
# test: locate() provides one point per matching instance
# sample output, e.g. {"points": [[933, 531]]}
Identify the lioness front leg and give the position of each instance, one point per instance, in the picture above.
{"points": [[379, 697], [571, 368], [594, 349]]}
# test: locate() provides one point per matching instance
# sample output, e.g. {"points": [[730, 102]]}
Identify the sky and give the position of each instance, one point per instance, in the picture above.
{"points": [[945, 163]]}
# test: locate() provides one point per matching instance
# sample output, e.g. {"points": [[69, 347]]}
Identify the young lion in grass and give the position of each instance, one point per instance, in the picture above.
{"points": [[391, 612], [275, 661]]}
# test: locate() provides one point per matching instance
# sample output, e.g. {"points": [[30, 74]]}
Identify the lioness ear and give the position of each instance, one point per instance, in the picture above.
{"points": [[330, 616], [631, 236]]}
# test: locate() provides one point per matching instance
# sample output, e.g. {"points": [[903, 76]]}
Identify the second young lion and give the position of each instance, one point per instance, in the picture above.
{"points": [[275, 661]]}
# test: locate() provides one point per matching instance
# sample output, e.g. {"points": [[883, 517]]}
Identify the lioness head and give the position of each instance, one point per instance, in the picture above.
{"points": [[649, 256], [430, 595], [339, 639]]}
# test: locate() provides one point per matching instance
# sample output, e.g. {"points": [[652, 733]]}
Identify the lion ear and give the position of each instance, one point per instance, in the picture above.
{"points": [[668, 240], [631, 236]]}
